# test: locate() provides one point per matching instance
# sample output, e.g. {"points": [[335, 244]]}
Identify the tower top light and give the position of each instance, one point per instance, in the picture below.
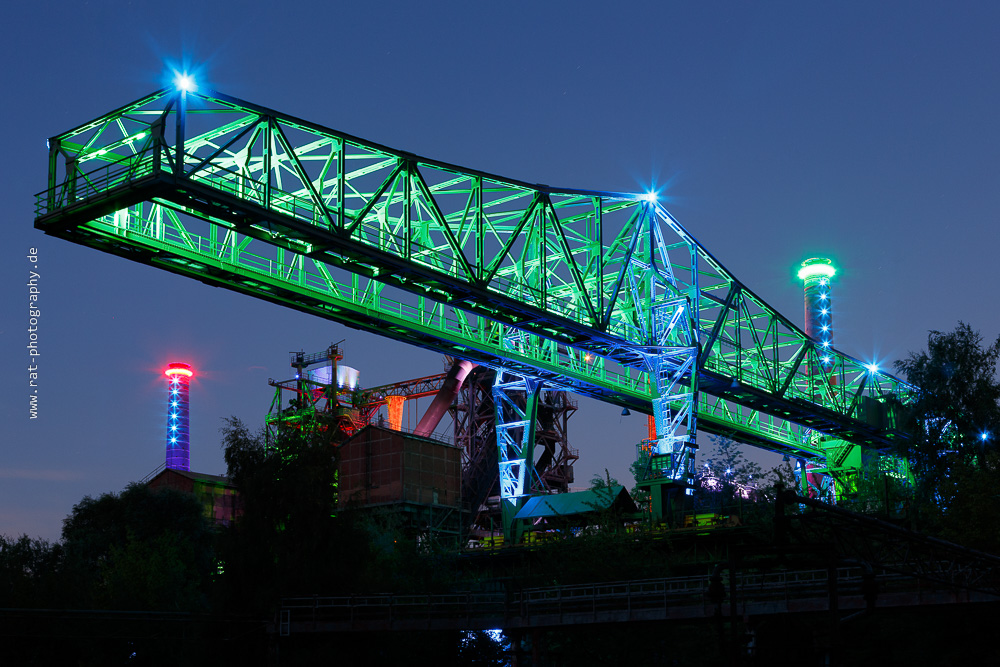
{"points": [[179, 369], [817, 267]]}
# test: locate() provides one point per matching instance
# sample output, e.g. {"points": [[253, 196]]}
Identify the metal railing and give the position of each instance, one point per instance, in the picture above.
{"points": [[622, 601]]}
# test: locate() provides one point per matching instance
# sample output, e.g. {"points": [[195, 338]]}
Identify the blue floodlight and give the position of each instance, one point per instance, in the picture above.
{"points": [[872, 368], [185, 82]]}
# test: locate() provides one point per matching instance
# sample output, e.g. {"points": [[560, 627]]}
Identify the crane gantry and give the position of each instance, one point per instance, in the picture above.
{"points": [[600, 293]]}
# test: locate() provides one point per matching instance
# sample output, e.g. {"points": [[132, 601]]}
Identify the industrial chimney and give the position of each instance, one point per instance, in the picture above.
{"points": [[178, 435]]}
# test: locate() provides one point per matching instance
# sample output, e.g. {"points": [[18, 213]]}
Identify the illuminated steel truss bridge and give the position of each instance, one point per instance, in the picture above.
{"points": [[600, 293]]}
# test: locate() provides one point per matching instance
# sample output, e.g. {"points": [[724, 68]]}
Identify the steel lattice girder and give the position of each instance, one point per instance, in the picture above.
{"points": [[452, 259]]}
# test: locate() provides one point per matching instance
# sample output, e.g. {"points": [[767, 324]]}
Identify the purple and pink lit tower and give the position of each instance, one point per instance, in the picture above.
{"points": [[178, 435]]}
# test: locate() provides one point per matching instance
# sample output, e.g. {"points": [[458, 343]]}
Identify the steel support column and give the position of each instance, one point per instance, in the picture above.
{"points": [[515, 430]]}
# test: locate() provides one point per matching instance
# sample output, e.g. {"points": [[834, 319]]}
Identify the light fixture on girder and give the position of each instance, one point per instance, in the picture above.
{"points": [[185, 82]]}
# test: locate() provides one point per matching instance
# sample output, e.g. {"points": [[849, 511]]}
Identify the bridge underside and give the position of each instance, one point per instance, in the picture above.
{"points": [[749, 414]]}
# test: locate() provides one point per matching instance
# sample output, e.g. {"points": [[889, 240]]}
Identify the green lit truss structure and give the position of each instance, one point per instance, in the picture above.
{"points": [[600, 293]]}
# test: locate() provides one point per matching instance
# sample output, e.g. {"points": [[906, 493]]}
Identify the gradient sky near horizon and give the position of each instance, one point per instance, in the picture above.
{"points": [[778, 131]]}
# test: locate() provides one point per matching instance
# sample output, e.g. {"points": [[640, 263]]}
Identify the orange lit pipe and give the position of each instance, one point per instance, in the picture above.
{"points": [[445, 397]]}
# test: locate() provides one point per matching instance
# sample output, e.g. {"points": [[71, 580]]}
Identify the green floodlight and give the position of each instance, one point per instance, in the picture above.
{"points": [[817, 267]]}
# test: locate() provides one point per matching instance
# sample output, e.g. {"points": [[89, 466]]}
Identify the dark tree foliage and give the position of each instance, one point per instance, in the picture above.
{"points": [[958, 400], [288, 540], [141, 549], [28, 572], [734, 475], [954, 465], [729, 484], [484, 648], [132, 553]]}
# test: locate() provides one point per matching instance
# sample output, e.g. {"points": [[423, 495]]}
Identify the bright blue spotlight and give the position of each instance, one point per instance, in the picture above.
{"points": [[872, 368], [650, 197], [985, 435], [185, 82]]}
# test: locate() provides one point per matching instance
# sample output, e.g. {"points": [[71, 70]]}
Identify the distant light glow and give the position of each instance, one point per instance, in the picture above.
{"points": [[826, 343], [984, 435], [822, 295], [348, 377], [650, 197], [824, 312], [872, 368], [826, 360]]}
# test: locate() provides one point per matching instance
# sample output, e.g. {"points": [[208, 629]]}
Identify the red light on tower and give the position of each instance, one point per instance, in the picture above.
{"points": [[178, 435]]}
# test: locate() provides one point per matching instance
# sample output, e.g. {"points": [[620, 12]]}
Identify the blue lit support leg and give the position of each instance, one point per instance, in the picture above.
{"points": [[515, 429], [672, 363]]}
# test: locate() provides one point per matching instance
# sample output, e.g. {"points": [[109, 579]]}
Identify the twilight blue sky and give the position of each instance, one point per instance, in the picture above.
{"points": [[863, 131]]}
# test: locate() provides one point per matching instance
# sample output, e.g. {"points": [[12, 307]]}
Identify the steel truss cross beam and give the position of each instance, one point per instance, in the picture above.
{"points": [[452, 259]]}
